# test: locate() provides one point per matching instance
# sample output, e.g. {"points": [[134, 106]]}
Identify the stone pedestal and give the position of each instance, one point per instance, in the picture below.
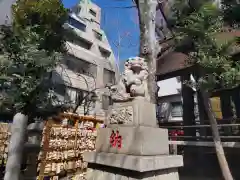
{"points": [[132, 147], [106, 166]]}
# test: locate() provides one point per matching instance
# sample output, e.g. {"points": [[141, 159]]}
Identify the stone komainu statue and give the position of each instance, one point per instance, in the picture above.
{"points": [[133, 82]]}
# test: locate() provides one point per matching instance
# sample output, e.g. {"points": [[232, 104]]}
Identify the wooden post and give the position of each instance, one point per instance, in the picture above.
{"points": [[188, 106], [202, 114], [75, 141], [15, 148], [226, 108], [45, 148], [236, 100], [188, 114]]}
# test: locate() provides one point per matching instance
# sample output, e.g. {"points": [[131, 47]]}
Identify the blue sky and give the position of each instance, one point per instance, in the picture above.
{"points": [[118, 21]]}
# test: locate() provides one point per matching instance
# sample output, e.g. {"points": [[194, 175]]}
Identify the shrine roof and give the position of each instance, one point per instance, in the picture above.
{"points": [[173, 63]]}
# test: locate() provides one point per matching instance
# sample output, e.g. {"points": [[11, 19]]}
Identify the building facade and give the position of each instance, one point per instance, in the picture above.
{"points": [[89, 64], [5, 11], [170, 102]]}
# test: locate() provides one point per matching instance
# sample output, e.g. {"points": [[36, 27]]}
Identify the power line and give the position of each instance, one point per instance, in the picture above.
{"points": [[119, 7]]}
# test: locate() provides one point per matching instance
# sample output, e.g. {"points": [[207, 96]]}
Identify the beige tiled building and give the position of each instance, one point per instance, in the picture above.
{"points": [[89, 63]]}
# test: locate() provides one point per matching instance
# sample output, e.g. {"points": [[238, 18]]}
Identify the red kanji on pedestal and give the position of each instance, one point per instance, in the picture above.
{"points": [[116, 140]]}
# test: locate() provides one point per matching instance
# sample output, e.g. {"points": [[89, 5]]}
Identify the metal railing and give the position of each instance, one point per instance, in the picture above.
{"points": [[230, 135]]}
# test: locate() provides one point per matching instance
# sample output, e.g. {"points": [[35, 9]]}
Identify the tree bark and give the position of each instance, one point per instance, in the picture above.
{"points": [[16, 146], [216, 137], [148, 43]]}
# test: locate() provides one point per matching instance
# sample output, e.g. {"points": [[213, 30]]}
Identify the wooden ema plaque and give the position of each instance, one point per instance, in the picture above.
{"points": [[63, 145]]}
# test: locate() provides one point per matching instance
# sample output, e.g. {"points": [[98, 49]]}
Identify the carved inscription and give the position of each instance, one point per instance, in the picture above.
{"points": [[123, 115], [116, 139]]}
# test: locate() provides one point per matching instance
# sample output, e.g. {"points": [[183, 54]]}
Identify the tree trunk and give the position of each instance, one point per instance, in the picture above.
{"points": [[147, 13], [16, 145], [216, 137]]}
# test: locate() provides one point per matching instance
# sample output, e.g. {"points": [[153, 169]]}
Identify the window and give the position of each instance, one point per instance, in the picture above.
{"points": [[73, 22], [104, 53], [108, 77], [106, 102], [60, 89], [70, 64], [163, 110], [78, 9], [75, 95], [86, 68], [81, 66], [80, 42], [177, 110], [67, 94], [71, 95], [83, 43], [79, 96], [97, 35], [92, 12]]}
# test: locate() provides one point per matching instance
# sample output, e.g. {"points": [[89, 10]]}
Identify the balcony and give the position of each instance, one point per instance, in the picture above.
{"points": [[78, 29]]}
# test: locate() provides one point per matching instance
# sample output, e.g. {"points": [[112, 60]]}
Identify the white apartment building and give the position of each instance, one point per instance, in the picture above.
{"points": [[89, 63]]}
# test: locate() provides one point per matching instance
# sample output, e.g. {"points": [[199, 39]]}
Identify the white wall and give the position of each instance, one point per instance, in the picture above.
{"points": [[168, 87]]}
